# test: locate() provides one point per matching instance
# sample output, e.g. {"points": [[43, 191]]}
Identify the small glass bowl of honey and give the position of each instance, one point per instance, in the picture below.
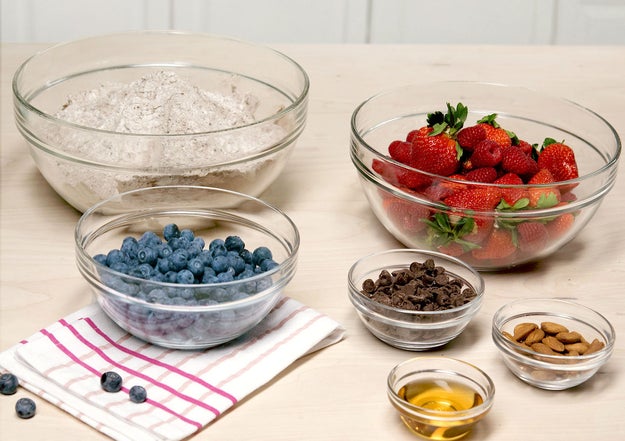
{"points": [[440, 398]]}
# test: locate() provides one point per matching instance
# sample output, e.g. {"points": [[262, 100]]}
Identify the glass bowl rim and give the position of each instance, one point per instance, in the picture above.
{"points": [[526, 355], [354, 291], [25, 101], [286, 265], [420, 412]]}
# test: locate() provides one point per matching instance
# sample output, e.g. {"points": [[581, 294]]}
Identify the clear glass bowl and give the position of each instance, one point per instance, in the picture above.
{"points": [[408, 329], [86, 165], [533, 116], [552, 372], [221, 311], [440, 398]]}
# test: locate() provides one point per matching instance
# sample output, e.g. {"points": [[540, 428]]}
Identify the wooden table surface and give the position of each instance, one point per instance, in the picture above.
{"points": [[339, 392]]}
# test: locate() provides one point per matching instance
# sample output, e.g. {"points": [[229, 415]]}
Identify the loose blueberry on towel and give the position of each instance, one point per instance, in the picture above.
{"points": [[111, 381], [8, 384], [137, 394], [25, 408]]}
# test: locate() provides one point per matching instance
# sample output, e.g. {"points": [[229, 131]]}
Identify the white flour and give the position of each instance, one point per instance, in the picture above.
{"points": [[158, 104], [162, 103]]}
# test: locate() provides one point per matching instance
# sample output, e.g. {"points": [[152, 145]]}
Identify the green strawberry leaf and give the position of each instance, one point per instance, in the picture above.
{"points": [[513, 137], [459, 151], [518, 205], [549, 141], [547, 200], [438, 129], [490, 119], [442, 231]]}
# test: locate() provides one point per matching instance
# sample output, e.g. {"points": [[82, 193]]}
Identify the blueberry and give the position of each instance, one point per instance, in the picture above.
{"points": [[246, 255], [236, 262], [111, 381], [193, 250], [267, 264], [220, 264], [199, 242], [120, 267], [206, 257], [219, 250], [137, 394], [196, 266], [150, 239], [234, 243], [187, 234], [226, 276], [164, 250], [147, 254], [246, 273], [185, 277], [178, 243], [130, 246], [170, 276], [179, 260], [8, 384], [143, 271], [156, 296], [100, 258], [207, 278], [164, 265], [215, 243], [25, 408], [115, 256], [171, 231], [260, 254]]}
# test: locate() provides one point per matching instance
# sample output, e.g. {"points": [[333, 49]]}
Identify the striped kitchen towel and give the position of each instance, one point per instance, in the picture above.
{"points": [[186, 389]]}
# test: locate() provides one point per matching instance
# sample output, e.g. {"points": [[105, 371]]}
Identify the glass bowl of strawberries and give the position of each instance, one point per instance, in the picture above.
{"points": [[494, 175]]}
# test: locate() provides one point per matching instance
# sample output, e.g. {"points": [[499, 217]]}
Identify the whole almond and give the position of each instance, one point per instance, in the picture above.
{"points": [[553, 328], [553, 343], [522, 330], [569, 337], [573, 353], [542, 348], [579, 347], [595, 346], [534, 337]]}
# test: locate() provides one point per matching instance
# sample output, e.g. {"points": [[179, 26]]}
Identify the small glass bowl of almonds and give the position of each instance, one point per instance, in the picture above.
{"points": [[552, 344]]}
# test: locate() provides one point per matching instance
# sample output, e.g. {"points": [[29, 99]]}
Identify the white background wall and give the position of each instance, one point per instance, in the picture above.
{"points": [[326, 21]]}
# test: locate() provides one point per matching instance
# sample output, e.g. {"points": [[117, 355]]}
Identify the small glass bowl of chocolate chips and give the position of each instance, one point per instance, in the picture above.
{"points": [[552, 344], [414, 299]]}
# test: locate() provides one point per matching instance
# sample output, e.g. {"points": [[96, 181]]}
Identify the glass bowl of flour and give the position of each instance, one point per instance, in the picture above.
{"points": [[113, 113]]}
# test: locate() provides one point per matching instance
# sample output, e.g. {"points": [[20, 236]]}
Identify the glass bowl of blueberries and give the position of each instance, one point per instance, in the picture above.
{"points": [[186, 267]]}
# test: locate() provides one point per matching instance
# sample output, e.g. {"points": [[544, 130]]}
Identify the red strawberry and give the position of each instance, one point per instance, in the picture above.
{"points": [[453, 249], [412, 180], [470, 136], [560, 225], [486, 153], [440, 189], [513, 196], [401, 151], [498, 246], [436, 154], [559, 159], [481, 230], [406, 216], [389, 172], [484, 174], [497, 134], [542, 196], [513, 160], [532, 237], [418, 134], [475, 198], [526, 147]]}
